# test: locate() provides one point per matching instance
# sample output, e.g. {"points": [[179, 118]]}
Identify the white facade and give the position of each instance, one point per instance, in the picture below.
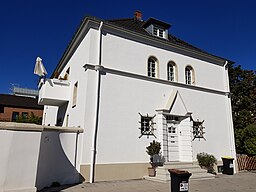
{"points": [[108, 88]]}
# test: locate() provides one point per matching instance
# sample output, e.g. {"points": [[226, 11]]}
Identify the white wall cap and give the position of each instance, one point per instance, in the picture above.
{"points": [[35, 127]]}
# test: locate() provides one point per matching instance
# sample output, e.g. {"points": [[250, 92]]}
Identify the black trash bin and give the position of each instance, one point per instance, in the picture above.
{"points": [[228, 166], [179, 180]]}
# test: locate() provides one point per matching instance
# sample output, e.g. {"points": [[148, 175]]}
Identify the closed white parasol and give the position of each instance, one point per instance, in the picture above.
{"points": [[39, 68]]}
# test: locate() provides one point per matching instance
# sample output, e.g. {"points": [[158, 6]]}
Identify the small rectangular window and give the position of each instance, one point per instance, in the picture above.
{"points": [[161, 33], [24, 115], [75, 94], [155, 31], [171, 118], [172, 129], [15, 116], [158, 31], [1, 109]]}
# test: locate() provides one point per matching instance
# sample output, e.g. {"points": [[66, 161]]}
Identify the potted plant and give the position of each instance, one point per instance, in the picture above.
{"points": [[153, 150], [207, 161]]}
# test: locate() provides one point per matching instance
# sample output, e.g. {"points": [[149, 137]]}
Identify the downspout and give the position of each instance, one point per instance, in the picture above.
{"points": [[226, 76], [229, 113], [94, 133]]}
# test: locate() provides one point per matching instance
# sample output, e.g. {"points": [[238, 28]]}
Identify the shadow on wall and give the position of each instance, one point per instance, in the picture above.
{"points": [[57, 159]]}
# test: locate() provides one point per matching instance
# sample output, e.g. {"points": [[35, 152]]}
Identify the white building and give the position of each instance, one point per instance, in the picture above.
{"points": [[128, 82]]}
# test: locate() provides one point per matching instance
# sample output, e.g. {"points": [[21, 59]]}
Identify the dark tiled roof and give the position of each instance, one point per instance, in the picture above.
{"points": [[130, 24], [134, 26], [19, 101], [137, 26], [157, 22]]}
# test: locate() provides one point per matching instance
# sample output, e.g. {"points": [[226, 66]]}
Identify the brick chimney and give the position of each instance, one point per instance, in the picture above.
{"points": [[138, 16]]}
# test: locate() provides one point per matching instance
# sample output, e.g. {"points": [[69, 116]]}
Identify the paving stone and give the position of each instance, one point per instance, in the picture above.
{"points": [[240, 182]]}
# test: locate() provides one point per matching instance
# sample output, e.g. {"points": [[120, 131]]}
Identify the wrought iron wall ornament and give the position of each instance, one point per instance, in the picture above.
{"points": [[147, 125], [198, 129]]}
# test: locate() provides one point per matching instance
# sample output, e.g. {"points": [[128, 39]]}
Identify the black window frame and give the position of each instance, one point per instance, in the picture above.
{"points": [[15, 116]]}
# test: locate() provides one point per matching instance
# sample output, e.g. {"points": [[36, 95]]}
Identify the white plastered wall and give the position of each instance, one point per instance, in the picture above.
{"points": [[131, 56], [50, 115], [84, 54], [18, 160], [58, 159], [122, 98], [82, 115]]}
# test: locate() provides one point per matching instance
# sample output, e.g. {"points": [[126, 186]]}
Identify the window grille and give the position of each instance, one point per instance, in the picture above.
{"points": [[198, 130], [147, 125]]}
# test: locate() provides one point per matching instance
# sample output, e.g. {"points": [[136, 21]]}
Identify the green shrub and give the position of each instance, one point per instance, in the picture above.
{"points": [[154, 148], [206, 161], [30, 119], [250, 139]]}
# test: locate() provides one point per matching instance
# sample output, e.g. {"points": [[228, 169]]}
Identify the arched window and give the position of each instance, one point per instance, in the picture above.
{"points": [[171, 71], [152, 67], [189, 75]]}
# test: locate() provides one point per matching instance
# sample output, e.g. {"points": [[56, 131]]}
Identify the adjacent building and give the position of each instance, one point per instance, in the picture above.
{"points": [[22, 103]]}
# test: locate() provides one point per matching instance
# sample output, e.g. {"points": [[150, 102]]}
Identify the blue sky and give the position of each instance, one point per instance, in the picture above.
{"points": [[31, 28]]}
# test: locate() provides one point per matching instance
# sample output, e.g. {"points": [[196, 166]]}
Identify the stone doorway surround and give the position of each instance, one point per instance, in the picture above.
{"points": [[173, 114]]}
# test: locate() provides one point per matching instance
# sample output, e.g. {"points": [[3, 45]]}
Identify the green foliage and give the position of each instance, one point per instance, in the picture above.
{"points": [[30, 119], [239, 141], [247, 139], [250, 146], [206, 161], [154, 148], [243, 88]]}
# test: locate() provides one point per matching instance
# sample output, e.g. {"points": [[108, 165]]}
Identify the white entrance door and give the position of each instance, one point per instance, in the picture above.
{"points": [[173, 141]]}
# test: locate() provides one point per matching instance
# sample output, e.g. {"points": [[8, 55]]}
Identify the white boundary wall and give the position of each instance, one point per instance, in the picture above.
{"points": [[34, 156], [18, 160]]}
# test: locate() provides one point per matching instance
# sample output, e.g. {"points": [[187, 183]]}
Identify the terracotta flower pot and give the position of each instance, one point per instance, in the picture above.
{"points": [[151, 172]]}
